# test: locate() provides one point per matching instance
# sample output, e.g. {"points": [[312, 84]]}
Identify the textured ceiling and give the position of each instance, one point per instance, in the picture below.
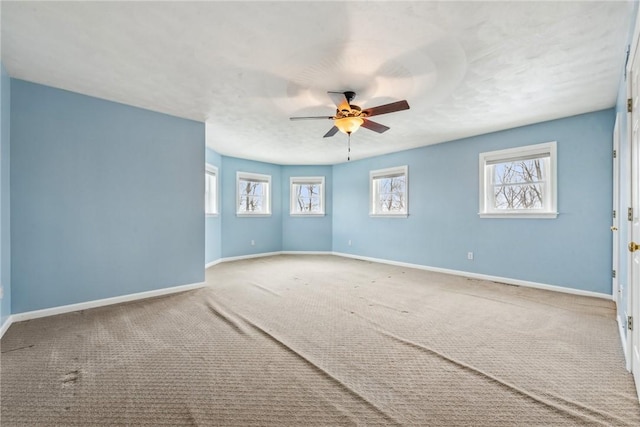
{"points": [[244, 68]]}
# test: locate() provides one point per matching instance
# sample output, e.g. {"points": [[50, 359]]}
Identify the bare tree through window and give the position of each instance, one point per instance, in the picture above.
{"points": [[519, 184], [308, 197], [391, 194], [251, 196]]}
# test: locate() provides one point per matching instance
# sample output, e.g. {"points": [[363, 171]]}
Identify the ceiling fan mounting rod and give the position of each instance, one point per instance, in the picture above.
{"points": [[350, 96]]}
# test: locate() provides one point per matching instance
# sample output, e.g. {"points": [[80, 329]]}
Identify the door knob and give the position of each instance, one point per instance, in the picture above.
{"points": [[614, 228], [633, 246]]}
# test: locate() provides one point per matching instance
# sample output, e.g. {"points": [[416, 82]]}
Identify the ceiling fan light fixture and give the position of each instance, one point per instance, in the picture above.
{"points": [[348, 125]]}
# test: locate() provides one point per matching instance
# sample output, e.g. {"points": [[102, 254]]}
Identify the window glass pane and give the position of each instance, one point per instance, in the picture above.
{"points": [[390, 194], [250, 203], [210, 193], [308, 204], [520, 184], [307, 198], [248, 187], [520, 171], [519, 196], [251, 196]]}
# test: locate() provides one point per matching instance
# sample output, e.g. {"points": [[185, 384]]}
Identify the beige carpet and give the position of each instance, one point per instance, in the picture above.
{"points": [[322, 340]]}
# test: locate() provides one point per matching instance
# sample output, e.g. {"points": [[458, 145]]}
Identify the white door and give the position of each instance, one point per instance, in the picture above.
{"points": [[615, 290], [634, 247]]}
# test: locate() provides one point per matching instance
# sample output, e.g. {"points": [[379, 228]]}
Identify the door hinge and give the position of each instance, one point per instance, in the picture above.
{"points": [[630, 214], [629, 105], [613, 274], [615, 154], [614, 213], [630, 323]]}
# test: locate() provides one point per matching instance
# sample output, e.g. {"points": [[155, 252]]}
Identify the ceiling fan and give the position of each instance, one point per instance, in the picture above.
{"points": [[349, 117]]}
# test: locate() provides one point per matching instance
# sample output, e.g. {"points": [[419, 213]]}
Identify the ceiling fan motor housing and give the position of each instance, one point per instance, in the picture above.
{"points": [[353, 111]]}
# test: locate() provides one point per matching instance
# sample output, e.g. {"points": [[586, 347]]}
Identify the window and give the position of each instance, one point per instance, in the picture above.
{"points": [[307, 195], [254, 194], [519, 182], [389, 195], [211, 190]]}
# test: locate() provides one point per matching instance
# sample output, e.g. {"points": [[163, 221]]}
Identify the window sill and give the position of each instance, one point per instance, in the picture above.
{"points": [[301, 215], [389, 215], [249, 215], [519, 215]]}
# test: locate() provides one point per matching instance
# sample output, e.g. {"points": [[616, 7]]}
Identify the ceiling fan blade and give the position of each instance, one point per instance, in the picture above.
{"points": [[312, 118], [387, 108], [376, 127], [340, 99], [331, 132]]}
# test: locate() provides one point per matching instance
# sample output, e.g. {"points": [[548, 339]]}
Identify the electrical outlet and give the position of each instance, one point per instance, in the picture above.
{"points": [[1, 292], [253, 243], [349, 242], [469, 255]]}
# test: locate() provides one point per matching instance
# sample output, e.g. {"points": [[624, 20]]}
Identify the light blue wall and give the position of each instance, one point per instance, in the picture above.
{"points": [[573, 250], [5, 222], [212, 231], [307, 233], [106, 199], [237, 232], [228, 235]]}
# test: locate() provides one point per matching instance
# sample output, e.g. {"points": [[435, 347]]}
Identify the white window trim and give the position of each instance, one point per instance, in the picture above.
{"points": [[214, 170], [292, 202], [529, 150], [258, 177], [382, 173]]}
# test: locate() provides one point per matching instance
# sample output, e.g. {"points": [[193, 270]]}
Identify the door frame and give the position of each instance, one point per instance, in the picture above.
{"points": [[633, 279]]}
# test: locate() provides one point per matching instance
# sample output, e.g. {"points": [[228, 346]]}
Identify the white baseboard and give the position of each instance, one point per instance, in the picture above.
{"points": [[6, 325], [212, 263], [241, 257], [507, 280], [479, 276], [28, 315], [623, 340], [266, 254], [306, 253]]}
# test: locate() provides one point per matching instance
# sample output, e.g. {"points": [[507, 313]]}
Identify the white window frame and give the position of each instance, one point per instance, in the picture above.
{"points": [[301, 180], [212, 170], [249, 176], [511, 154], [374, 196]]}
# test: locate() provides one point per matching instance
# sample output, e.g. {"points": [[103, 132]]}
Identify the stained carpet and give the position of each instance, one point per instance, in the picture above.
{"points": [[324, 341]]}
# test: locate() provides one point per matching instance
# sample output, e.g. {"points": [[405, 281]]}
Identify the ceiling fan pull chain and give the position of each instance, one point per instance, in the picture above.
{"points": [[349, 148]]}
